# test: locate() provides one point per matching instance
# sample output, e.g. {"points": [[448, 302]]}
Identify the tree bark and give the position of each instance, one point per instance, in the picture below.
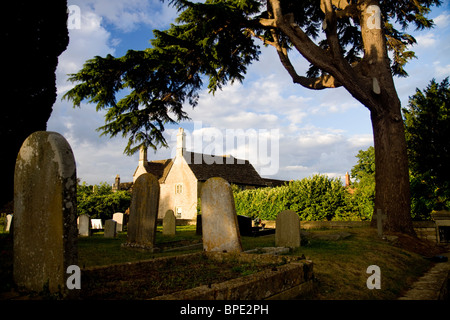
{"points": [[392, 194]]}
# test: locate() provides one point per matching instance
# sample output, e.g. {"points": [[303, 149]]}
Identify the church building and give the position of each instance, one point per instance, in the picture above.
{"points": [[182, 177]]}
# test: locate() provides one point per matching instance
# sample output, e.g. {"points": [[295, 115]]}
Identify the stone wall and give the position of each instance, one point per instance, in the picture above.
{"points": [[424, 229], [186, 197]]}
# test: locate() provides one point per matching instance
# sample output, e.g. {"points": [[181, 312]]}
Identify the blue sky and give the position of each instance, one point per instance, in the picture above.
{"points": [[319, 131]]}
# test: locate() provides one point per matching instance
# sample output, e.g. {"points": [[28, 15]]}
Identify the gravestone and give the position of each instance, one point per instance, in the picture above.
{"points": [[287, 232], [118, 217], [84, 225], [110, 229], [220, 227], [9, 218], [143, 212], [45, 218], [96, 224], [380, 219], [245, 225], [169, 223]]}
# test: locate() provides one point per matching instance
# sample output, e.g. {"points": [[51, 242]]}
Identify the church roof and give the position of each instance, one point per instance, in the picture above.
{"points": [[203, 166]]}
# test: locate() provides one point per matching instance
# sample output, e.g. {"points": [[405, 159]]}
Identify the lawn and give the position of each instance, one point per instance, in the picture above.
{"points": [[339, 265]]}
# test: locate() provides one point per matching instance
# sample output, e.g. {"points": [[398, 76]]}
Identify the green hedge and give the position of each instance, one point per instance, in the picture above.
{"points": [[315, 198], [100, 202]]}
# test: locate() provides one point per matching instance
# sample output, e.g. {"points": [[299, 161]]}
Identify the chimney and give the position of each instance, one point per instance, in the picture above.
{"points": [[347, 179], [142, 156], [181, 142], [116, 185]]}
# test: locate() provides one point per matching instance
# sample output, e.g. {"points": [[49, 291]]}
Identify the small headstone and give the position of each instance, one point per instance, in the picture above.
{"points": [[220, 227], [245, 225], [118, 217], [380, 216], [9, 218], [287, 232], [45, 217], [84, 225], [110, 228], [143, 212], [169, 223], [96, 224]]}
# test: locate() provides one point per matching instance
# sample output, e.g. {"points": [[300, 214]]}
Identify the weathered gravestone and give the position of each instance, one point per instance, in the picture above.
{"points": [[287, 232], [219, 220], [118, 217], [45, 219], [9, 218], [84, 225], [143, 212], [110, 229], [169, 223]]}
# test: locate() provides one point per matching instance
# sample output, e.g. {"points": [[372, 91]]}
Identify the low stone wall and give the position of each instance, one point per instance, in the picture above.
{"points": [[424, 229], [293, 278], [287, 281]]}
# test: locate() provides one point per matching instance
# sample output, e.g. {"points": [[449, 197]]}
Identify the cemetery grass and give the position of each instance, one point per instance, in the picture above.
{"points": [[339, 266]]}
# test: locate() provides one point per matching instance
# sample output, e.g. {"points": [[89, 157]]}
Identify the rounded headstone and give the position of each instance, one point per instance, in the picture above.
{"points": [[45, 219], [220, 228], [143, 212]]}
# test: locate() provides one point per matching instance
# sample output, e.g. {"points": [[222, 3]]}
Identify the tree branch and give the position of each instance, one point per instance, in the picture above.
{"points": [[319, 83]]}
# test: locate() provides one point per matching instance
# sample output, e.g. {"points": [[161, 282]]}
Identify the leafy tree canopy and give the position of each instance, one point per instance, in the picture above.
{"points": [[215, 41], [427, 125]]}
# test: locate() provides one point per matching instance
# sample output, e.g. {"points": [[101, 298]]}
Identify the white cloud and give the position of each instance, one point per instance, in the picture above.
{"points": [[426, 40], [443, 20], [128, 15], [441, 70]]}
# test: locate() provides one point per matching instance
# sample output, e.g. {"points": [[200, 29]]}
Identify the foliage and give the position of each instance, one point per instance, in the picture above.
{"points": [[363, 196], [427, 127], [100, 202], [315, 198], [216, 41]]}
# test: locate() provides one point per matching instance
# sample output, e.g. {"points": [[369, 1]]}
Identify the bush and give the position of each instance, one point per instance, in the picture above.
{"points": [[315, 198], [100, 202]]}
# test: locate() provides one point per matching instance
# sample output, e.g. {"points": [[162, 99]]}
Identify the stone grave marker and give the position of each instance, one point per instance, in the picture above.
{"points": [[220, 227], [287, 232], [169, 223], [96, 224], [380, 216], [110, 228], [9, 218], [84, 225], [143, 212], [45, 218], [118, 217]]}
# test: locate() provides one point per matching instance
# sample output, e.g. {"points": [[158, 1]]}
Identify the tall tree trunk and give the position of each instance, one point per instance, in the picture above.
{"points": [[392, 194]]}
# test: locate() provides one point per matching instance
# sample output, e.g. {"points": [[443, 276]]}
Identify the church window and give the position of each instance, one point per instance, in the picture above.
{"points": [[179, 188]]}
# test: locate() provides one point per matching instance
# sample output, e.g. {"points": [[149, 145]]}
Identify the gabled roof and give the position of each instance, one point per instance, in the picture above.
{"points": [[203, 166], [159, 168], [233, 170]]}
